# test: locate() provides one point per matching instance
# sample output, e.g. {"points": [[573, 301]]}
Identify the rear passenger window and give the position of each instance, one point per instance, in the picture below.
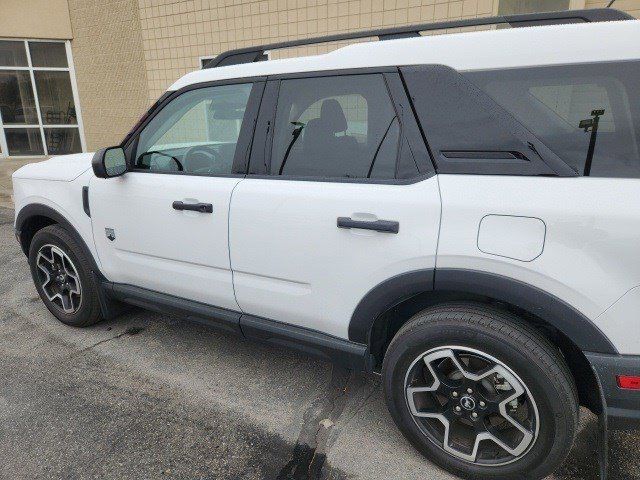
{"points": [[335, 127], [560, 104]]}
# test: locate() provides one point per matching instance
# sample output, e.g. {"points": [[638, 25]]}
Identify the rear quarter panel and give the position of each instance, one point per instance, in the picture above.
{"points": [[589, 255]]}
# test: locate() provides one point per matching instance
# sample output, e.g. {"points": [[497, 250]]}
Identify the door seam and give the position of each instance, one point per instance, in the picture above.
{"points": [[233, 280]]}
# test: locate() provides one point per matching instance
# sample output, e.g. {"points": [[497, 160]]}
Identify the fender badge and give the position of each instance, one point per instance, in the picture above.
{"points": [[111, 233]]}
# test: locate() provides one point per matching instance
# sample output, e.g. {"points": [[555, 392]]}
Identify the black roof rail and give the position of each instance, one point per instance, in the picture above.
{"points": [[258, 53]]}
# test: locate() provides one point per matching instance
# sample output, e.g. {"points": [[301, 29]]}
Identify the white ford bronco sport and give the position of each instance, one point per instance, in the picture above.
{"points": [[459, 213]]}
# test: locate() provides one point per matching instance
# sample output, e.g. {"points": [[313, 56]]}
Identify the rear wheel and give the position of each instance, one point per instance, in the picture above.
{"points": [[62, 275], [481, 393]]}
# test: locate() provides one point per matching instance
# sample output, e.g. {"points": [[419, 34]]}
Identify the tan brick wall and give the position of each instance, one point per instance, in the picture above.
{"points": [[629, 6], [110, 68], [176, 34], [127, 52]]}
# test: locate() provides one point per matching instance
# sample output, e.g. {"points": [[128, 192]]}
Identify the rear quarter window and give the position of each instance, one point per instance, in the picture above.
{"points": [[555, 103]]}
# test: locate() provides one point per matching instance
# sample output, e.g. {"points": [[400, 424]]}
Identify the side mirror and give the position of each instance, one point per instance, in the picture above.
{"points": [[109, 162]]}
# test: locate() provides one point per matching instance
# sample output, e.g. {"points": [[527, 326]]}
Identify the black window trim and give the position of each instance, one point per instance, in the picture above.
{"points": [[245, 138], [260, 159], [542, 163]]}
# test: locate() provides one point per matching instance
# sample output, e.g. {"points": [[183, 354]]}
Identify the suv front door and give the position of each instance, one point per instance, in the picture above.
{"points": [[163, 225], [342, 198]]}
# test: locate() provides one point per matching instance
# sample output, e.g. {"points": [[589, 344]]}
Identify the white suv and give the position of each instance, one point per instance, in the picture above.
{"points": [[460, 213]]}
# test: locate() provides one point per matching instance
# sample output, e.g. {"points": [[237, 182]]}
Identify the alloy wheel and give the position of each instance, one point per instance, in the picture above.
{"points": [[471, 405], [59, 279]]}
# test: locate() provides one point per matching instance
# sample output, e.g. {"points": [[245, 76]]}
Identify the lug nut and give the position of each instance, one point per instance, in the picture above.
{"points": [[458, 409], [474, 415], [469, 390], [454, 394], [482, 404]]}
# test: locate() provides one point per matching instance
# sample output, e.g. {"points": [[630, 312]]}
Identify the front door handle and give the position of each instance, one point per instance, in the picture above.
{"points": [[388, 226], [194, 207]]}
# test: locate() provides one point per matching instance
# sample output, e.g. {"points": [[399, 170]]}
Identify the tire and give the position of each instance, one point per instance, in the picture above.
{"points": [[547, 408], [53, 243]]}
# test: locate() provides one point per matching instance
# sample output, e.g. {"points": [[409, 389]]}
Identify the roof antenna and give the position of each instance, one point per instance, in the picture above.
{"points": [[610, 3]]}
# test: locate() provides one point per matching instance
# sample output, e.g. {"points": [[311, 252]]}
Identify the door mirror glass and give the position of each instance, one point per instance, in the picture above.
{"points": [[109, 162]]}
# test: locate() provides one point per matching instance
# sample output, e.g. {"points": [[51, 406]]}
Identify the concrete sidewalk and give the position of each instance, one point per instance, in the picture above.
{"points": [[150, 396]]}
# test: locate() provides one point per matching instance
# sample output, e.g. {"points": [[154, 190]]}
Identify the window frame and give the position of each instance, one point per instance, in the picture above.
{"points": [[4, 150], [245, 138], [260, 162]]}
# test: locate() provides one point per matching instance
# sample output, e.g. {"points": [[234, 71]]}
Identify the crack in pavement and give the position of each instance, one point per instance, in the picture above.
{"points": [[129, 331], [309, 454]]}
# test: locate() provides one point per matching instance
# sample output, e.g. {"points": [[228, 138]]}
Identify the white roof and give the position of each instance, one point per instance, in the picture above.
{"points": [[480, 50]]}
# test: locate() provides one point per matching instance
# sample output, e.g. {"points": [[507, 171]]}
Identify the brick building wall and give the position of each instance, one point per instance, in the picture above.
{"points": [[110, 69], [176, 34], [127, 52]]}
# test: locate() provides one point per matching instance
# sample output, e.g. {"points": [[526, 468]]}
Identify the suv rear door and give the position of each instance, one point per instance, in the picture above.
{"points": [[340, 196]]}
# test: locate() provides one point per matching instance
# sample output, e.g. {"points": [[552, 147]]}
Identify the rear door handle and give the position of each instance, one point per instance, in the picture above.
{"points": [[194, 207], [388, 226]]}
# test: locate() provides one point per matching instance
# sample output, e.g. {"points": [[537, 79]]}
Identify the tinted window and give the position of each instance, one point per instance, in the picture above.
{"points": [[196, 132], [560, 105], [48, 54], [13, 54], [335, 127], [17, 103], [56, 98]]}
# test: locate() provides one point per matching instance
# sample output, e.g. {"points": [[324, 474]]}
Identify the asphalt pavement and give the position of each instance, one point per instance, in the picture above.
{"points": [[151, 396]]}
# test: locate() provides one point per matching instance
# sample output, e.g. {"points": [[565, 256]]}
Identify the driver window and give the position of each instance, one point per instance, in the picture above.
{"points": [[196, 133]]}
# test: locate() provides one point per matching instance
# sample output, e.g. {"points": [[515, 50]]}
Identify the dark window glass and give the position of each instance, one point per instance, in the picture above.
{"points": [[12, 54], [561, 104], [48, 54], [196, 132], [62, 140], [407, 167], [17, 104], [24, 141], [56, 98], [335, 127]]}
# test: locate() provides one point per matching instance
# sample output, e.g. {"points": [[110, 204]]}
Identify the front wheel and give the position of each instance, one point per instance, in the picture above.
{"points": [[480, 393], [62, 275]]}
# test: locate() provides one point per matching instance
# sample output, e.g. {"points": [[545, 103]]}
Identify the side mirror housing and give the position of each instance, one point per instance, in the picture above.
{"points": [[109, 162]]}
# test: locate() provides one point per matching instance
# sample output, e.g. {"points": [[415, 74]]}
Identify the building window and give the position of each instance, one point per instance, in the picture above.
{"points": [[38, 99], [509, 7]]}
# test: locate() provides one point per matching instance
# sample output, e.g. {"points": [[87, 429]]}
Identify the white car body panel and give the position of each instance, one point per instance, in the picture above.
{"points": [[63, 168], [180, 253], [292, 263], [621, 322], [518, 238], [63, 196], [590, 255]]}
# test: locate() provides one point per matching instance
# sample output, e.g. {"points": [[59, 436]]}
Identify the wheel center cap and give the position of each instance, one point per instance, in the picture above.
{"points": [[467, 402]]}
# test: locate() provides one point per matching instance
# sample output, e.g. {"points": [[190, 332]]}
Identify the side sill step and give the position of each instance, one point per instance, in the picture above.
{"points": [[327, 347], [332, 349], [218, 318]]}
